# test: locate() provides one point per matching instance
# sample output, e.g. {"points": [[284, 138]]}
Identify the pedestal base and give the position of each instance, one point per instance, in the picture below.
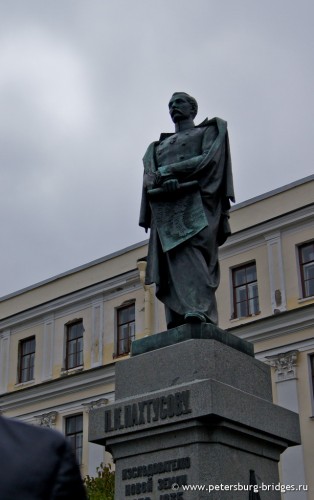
{"points": [[195, 413]]}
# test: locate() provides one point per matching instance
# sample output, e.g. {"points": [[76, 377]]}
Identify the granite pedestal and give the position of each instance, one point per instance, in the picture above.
{"points": [[193, 407]]}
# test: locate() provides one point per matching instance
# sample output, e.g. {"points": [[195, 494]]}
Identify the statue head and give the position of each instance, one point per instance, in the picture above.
{"points": [[182, 106]]}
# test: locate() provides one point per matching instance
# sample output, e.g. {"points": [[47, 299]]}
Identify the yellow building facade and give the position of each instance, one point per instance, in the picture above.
{"points": [[60, 339]]}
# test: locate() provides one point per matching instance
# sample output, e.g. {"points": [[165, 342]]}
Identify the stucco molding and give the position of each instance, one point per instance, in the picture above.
{"points": [[254, 236], [285, 365], [276, 272], [47, 419], [77, 300], [48, 392], [277, 325], [93, 405]]}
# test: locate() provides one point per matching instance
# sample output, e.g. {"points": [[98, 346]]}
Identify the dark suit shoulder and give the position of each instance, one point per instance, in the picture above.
{"points": [[18, 435], [36, 464]]}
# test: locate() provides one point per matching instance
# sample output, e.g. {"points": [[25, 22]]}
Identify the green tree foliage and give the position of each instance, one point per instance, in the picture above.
{"points": [[102, 486]]}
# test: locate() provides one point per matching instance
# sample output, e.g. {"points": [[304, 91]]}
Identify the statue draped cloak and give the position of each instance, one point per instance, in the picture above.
{"points": [[185, 267]]}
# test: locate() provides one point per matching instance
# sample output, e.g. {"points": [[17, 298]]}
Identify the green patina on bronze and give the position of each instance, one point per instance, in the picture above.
{"points": [[189, 332], [186, 191], [178, 217]]}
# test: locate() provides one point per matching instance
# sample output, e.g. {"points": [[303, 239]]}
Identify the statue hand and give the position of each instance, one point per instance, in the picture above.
{"points": [[157, 179], [171, 185]]}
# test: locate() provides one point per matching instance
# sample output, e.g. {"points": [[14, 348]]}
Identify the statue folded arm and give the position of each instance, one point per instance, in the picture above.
{"points": [[211, 144], [182, 167]]}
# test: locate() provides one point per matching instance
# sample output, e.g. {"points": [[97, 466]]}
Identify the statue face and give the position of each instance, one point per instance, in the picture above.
{"points": [[180, 108]]}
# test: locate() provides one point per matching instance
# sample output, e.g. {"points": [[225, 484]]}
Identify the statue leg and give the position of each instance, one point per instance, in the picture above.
{"points": [[173, 319], [192, 272]]}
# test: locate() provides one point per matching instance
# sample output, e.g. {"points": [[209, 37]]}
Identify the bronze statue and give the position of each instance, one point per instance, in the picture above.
{"points": [[187, 189]]}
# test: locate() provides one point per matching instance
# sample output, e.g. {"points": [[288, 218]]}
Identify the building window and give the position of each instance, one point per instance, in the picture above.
{"points": [[26, 359], [125, 328], [74, 432], [245, 291], [312, 372], [74, 345], [306, 259]]}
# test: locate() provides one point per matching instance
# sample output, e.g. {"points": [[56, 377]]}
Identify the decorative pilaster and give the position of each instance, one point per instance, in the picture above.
{"points": [[285, 365], [148, 299], [48, 349], [97, 333], [96, 454], [276, 273], [4, 360]]}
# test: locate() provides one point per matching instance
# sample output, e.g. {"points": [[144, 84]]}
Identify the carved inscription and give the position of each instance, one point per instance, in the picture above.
{"points": [[172, 496], [139, 488], [146, 412], [166, 483], [157, 468], [147, 472]]}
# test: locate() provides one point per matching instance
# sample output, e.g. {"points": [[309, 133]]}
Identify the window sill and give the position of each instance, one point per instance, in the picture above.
{"points": [[251, 316], [120, 356], [306, 299], [77, 369], [20, 385]]}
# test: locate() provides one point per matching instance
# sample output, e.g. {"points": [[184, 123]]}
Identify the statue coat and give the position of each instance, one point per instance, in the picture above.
{"points": [[187, 275]]}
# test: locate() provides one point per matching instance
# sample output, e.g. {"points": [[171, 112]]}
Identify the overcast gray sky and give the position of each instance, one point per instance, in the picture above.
{"points": [[84, 88]]}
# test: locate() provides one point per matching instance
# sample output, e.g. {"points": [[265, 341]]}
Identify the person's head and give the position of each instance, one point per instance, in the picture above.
{"points": [[182, 106]]}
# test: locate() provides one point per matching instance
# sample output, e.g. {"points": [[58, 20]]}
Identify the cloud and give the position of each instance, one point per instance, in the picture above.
{"points": [[84, 88], [45, 75]]}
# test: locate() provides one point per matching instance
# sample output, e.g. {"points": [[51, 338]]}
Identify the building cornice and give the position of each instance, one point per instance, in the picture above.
{"points": [[105, 290], [63, 386], [75, 270], [284, 323], [273, 192], [255, 235]]}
